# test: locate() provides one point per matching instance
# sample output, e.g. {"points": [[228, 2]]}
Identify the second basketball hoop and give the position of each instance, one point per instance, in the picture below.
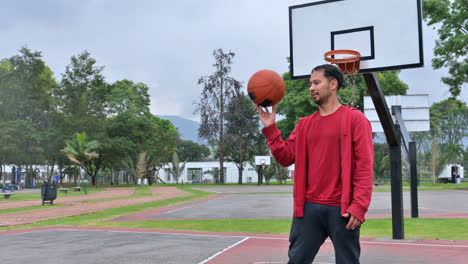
{"points": [[347, 60]]}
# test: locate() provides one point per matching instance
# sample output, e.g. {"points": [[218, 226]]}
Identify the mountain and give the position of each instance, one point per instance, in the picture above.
{"points": [[188, 129]]}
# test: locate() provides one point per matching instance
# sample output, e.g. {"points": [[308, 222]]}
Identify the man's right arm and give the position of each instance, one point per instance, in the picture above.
{"points": [[282, 151]]}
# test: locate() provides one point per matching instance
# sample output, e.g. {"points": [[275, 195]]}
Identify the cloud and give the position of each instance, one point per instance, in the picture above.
{"points": [[168, 44]]}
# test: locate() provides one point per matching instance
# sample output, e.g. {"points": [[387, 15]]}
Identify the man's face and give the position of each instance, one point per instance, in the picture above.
{"points": [[320, 88]]}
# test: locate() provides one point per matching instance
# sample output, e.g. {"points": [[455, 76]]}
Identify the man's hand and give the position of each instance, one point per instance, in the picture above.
{"points": [[353, 221], [266, 117]]}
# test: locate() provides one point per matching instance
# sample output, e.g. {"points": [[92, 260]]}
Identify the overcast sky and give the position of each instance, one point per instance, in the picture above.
{"points": [[168, 44]]}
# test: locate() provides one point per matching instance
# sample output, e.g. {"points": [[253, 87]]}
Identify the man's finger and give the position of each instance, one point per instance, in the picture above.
{"points": [[353, 223]]}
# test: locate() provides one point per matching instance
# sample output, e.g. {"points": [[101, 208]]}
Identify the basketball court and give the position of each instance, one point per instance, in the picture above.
{"points": [[383, 35], [75, 245]]}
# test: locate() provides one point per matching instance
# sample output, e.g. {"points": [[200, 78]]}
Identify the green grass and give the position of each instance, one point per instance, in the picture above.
{"points": [[266, 226], [445, 229], [428, 186], [428, 228], [18, 196], [21, 209], [425, 228]]}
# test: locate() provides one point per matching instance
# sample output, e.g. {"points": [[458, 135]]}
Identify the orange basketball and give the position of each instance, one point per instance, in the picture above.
{"points": [[266, 88]]}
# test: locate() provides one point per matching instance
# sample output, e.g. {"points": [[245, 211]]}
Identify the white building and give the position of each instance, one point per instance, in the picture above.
{"points": [[201, 171]]}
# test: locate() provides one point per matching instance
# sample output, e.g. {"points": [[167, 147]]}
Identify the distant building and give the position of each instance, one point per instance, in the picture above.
{"points": [[201, 171]]}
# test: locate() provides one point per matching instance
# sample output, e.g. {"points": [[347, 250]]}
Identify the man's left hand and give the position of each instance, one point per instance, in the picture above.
{"points": [[353, 221]]}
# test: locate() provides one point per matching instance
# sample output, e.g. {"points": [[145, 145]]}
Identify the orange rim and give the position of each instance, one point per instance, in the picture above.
{"points": [[356, 56]]}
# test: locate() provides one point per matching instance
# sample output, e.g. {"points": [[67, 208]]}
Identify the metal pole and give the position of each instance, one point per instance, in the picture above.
{"points": [[393, 139], [397, 192], [260, 177], [414, 179]]}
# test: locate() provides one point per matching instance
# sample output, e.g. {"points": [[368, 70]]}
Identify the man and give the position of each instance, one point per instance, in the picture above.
{"points": [[333, 154]]}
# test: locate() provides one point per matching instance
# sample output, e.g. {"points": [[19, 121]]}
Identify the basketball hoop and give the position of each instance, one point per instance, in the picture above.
{"points": [[349, 64]]}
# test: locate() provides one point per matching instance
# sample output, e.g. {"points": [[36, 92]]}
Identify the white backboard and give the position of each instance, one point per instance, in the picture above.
{"points": [[414, 109], [262, 160], [387, 33]]}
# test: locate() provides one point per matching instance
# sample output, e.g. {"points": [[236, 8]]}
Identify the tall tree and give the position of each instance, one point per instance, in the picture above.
{"points": [[161, 145], [191, 151], [25, 90], [242, 125], [448, 121], [451, 49], [83, 93], [218, 90]]}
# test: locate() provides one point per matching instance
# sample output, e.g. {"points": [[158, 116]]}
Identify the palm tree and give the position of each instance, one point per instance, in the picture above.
{"points": [[82, 152]]}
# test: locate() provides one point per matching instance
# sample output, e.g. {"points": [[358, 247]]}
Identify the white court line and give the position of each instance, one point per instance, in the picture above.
{"points": [[222, 251], [253, 237]]}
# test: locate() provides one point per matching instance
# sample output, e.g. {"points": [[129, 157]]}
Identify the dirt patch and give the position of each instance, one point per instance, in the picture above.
{"points": [[78, 207]]}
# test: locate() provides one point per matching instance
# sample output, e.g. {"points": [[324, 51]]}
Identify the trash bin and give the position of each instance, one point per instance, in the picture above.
{"points": [[48, 192]]}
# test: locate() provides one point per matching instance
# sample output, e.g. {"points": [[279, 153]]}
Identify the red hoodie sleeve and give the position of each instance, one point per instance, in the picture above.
{"points": [[362, 178], [282, 151]]}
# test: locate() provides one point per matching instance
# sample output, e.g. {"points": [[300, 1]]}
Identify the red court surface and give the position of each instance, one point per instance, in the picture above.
{"points": [[265, 248]]}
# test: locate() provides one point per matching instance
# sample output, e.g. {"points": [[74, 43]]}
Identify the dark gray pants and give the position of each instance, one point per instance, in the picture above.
{"points": [[319, 222]]}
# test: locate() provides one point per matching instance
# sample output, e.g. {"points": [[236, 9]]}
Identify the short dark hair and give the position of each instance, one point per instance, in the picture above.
{"points": [[331, 72]]}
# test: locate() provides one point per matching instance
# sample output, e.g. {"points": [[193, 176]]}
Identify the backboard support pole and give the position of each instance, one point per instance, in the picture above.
{"points": [[410, 146], [393, 139], [413, 179]]}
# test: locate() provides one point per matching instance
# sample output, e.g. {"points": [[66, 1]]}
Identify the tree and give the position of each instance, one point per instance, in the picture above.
{"points": [[83, 153], [242, 125], [162, 144], [191, 151], [82, 94], [438, 161], [448, 124], [279, 172], [465, 161], [381, 160], [451, 48], [145, 140], [177, 168], [26, 107], [275, 170], [298, 103], [218, 90], [260, 148]]}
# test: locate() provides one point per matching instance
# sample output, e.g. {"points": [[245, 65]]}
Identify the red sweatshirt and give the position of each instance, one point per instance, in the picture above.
{"points": [[357, 154]]}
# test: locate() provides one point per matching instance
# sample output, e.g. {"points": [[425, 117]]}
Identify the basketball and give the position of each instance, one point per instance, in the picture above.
{"points": [[266, 88]]}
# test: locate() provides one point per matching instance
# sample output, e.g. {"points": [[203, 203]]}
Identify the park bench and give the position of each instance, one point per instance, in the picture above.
{"points": [[63, 190], [6, 195], [77, 189]]}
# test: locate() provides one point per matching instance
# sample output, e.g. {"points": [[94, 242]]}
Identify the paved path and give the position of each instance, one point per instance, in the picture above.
{"points": [[108, 193], [78, 207]]}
